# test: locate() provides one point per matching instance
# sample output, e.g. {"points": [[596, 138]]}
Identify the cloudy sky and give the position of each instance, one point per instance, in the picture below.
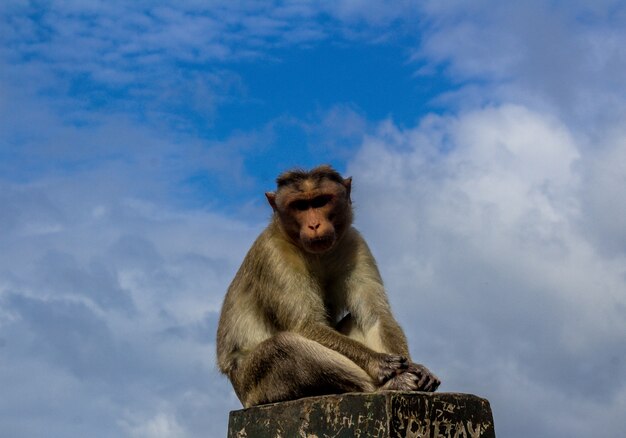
{"points": [[486, 139]]}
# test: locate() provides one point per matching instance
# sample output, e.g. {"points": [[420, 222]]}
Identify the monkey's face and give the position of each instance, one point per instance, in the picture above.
{"points": [[316, 231], [314, 214]]}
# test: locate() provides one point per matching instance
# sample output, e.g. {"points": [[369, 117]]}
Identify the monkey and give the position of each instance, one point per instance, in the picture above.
{"points": [[306, 313]]}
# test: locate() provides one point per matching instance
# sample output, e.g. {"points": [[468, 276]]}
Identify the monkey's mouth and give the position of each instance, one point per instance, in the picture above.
{"points": [[320, 244]]}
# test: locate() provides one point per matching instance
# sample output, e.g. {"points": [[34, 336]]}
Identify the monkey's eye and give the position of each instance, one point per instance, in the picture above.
{"points": [[320, 201], [300, 205]]}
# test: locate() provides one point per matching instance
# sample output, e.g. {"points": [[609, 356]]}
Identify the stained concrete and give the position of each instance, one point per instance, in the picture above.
{"points": [[382, 414]]}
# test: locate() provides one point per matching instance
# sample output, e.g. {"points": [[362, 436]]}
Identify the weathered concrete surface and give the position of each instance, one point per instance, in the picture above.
{"points": [[383, 414]]}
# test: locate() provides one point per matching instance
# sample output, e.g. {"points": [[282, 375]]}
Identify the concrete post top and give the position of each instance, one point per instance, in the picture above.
{"points": [[380, 414]]}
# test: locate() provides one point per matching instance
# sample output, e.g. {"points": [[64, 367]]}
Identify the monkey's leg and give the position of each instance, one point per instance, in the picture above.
{"points": [[289, 366], [347, 326], [416, 377]]}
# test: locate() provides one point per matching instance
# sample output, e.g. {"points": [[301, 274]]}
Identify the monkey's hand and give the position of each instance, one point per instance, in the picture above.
{"points": [[427, 380], [415, 377], [385, 366]]}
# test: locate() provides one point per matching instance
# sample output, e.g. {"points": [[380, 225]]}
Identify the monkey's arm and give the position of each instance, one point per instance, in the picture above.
{"points": [[371, 313], [367, 302]]}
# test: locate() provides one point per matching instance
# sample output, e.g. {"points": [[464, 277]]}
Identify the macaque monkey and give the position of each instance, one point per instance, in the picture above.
{"points": [[307, 313]]}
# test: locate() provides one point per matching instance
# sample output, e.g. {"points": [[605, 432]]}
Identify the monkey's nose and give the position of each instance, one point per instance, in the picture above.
{"points": [[314, 227]]}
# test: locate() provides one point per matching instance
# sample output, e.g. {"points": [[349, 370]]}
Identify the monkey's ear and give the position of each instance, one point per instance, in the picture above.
{"points": [[271, 198], [347, 183]]}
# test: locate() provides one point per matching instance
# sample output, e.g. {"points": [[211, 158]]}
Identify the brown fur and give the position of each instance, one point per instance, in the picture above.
{"points": [[307, 313]]}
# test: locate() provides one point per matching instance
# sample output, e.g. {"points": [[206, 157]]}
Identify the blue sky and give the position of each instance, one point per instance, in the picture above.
{"points": [[486, 140]]}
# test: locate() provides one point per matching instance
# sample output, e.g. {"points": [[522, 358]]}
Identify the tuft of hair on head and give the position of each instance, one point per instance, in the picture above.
{"points": [[325, 171]]}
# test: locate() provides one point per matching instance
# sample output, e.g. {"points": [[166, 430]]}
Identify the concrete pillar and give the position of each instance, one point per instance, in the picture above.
{"points": [[382, 414]]}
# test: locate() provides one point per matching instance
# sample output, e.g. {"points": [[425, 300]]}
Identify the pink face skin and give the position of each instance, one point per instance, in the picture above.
{"points": [[311, 212], [317, 233]]}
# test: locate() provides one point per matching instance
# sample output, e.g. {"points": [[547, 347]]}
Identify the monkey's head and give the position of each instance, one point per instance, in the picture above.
{"points": [[314, 208]]}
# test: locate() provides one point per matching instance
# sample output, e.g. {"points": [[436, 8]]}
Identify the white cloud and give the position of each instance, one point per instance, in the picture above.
{"points": [[497, 284], [373, 13], [565, 55], [118, 308], [162, 425], [603, 195]]}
